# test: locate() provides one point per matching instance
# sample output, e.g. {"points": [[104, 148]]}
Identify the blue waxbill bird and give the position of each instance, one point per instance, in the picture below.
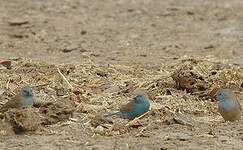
{"points": [[228, 105], [135, 108], [24, 98]]}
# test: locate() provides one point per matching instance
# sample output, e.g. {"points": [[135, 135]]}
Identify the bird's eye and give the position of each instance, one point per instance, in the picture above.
{"points": [[221, 94], [26, 93]]}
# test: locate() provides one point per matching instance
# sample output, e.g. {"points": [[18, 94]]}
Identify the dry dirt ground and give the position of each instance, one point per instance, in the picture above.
{"points": [[106, 49]]}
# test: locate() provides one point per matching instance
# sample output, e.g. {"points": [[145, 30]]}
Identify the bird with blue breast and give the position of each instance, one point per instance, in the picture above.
{"points": [[24, 98], [228, 105], [138, 106]]}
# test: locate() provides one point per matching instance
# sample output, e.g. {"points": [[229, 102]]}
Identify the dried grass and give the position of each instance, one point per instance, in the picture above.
{"points": [[95, 89]]}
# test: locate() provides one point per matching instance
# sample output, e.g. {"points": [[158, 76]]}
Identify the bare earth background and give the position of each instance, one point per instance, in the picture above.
{"points": [[120, 32]]}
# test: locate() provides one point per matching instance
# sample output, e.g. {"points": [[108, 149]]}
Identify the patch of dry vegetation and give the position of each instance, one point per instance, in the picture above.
{"points": [[179, 93]]}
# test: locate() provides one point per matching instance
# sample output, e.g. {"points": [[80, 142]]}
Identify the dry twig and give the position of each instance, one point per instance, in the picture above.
{"points": [[65, 79]]}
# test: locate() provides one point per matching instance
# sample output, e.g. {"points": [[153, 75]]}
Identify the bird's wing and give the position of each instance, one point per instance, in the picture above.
{"points": [[239, 104], [13, 103], [127, 107], [233, 97]]}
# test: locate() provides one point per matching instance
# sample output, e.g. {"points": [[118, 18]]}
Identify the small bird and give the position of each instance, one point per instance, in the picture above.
{"points": [[135, 108], [23, 99], [228, 106]]}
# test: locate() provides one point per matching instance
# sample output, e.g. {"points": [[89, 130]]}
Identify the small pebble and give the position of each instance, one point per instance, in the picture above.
{"points": [[99, 130]]}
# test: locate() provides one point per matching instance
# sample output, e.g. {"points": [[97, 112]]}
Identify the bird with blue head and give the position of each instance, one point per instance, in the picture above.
{"points": [[24, 98], [228, 105], [135, 108]]}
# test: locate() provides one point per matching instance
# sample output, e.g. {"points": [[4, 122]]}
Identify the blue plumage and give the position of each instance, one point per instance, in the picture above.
{"points": [[24, 98], [26, 95], [228, 105], [135, 108]]}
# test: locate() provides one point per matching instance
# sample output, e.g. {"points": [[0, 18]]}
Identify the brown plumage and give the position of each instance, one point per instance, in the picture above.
{"points": [[135, 108], [23, 99], [15, 102], [228, 105], [127, 107]]}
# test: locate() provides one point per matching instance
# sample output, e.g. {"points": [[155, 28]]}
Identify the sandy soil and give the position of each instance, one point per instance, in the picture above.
{"points": [[109, 47]]}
